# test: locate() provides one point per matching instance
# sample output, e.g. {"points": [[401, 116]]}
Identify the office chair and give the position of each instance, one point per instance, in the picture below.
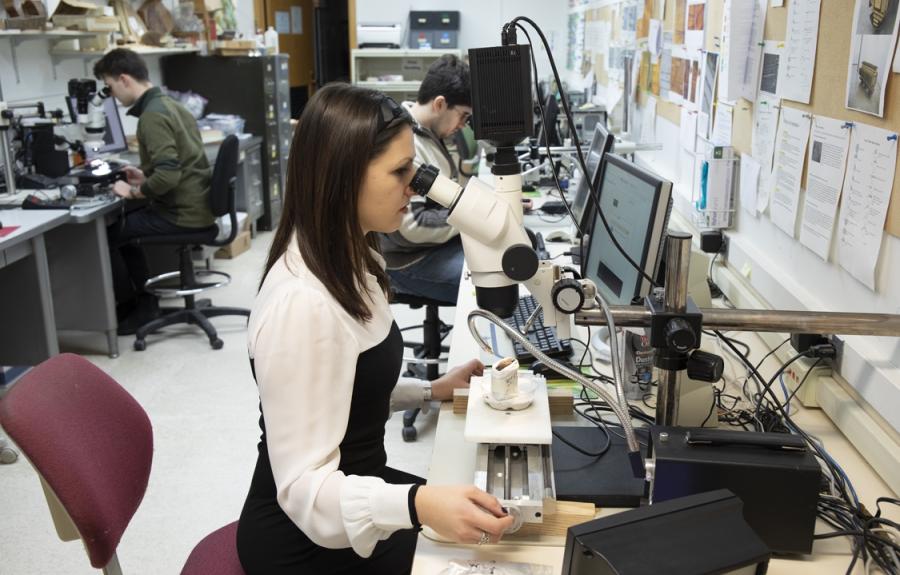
{"points": [[91, 444], [222, 202], [428, 351]]}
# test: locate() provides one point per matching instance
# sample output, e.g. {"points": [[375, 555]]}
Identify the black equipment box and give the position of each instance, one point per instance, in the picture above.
{"points": [[774, 475], [694, 535], [502, 107]]}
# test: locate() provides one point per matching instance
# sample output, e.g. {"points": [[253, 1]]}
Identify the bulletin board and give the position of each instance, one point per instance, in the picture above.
{"points": [[829, 80]]}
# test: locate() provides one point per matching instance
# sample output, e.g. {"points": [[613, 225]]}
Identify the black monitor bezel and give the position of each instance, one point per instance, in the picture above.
{"points": [[586, 221], [658, 184]]}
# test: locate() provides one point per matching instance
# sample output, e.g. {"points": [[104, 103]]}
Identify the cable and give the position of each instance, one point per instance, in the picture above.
{"points": [[595, 196], [547, 137]]}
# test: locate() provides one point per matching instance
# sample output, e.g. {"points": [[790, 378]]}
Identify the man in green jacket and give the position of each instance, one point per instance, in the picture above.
{"points": [[173, 177]]}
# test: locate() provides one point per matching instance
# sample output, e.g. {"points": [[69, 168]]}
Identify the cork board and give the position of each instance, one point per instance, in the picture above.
{"points": [[829, 79], [829, 86]]}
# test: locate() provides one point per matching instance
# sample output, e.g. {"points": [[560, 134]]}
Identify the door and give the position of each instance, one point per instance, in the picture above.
{"points": [[294, 22], [332, 42]]}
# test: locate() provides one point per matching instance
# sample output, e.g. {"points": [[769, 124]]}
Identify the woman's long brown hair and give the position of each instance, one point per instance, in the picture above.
{"points": [[336, 138]]}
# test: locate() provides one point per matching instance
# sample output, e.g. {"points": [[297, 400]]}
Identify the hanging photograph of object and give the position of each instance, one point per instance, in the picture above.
{"points": [[871, 48], [875, 17]]}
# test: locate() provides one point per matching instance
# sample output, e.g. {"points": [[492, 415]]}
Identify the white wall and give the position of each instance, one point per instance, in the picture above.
{"points": [[791, 277], [481, 21]]}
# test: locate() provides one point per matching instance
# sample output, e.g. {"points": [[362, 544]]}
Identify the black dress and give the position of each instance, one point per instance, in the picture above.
{"points": [[270, 543]]}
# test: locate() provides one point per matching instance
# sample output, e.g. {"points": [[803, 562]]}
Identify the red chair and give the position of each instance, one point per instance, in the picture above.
{"points": [[91, 444]]}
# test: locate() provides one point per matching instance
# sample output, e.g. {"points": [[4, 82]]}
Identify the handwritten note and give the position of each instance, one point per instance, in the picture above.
{"points": [[790, 151], [867, 193], [796, 71], [828, 147]]}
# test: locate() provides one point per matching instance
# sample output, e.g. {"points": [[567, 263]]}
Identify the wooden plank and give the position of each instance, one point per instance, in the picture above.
{"points": [[558, 517]]}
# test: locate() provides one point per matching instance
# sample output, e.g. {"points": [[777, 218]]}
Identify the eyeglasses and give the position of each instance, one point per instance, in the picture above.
{"points": [[391, 112]]}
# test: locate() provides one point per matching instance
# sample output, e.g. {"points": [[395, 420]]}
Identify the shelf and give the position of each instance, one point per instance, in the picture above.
{"points": [[391, 86], [57, 34], [143, 50], [401, 53]]}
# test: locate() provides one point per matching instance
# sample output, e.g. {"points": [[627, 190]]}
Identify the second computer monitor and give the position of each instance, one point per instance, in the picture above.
{"points": [[548, 125], [113, 135], [636, 204], [582, 205]]}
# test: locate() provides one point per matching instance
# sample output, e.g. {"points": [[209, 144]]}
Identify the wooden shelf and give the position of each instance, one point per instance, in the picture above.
{"points": [[56, 34], [143, 50]]}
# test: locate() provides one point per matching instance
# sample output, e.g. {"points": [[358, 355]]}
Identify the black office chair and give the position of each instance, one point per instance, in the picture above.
{"points": [[427, 352], [221, 201]]}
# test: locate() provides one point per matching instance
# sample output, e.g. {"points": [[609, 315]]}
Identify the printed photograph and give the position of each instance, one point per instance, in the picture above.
{"points": [[876, 16], [868, 73], [768, 79]]}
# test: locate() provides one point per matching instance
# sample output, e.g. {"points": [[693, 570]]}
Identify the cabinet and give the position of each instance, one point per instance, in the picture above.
{"points": [[397, 73], [249, 184], [258, 90]]}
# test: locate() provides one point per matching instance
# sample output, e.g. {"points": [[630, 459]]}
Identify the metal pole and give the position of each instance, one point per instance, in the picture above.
{"points": [[762, 320], [8, 164], [678, 259]]}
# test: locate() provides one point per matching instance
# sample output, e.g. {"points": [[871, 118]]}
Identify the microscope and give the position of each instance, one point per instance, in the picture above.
{"points": [[89, 114], [513, 461]]}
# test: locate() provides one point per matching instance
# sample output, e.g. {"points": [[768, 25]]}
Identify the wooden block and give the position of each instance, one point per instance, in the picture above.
{"points": [[561, 401], [558, 517]]}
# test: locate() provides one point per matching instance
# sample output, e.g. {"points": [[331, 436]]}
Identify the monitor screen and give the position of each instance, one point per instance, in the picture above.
{"points": [[601, 144], [636, 204], [113, 135], [551, 115]]}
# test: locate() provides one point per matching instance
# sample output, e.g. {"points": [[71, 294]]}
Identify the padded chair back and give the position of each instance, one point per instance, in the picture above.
{"points": [[222, 184], [90, 441]]}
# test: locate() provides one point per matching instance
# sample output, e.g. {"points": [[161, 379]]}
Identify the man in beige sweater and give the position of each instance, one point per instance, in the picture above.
{"points": [[424, 257]]}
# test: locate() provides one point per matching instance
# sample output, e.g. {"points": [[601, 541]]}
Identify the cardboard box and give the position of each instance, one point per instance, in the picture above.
{"points": [[240, 244]]}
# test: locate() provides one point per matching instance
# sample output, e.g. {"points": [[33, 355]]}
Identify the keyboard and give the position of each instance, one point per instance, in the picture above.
{"points": [[542, 337]]}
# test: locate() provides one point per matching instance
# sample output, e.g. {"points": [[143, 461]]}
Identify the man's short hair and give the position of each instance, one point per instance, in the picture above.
{"points": [[447, 77], [121, 61]]}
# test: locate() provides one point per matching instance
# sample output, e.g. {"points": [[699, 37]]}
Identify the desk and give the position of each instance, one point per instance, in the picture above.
{"points": [[453, 462], [28, 333], [79, 276]]}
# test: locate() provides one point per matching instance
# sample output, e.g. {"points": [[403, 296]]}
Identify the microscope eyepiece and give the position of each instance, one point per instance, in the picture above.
{"points": [[424, 179]]}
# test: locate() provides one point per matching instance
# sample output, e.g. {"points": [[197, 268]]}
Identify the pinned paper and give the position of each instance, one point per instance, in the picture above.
{"points": [[829, 142], [790, 153], [871, 163]]}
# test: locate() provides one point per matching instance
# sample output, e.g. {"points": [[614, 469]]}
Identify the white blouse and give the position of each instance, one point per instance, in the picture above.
{"points": [[305, 348]]}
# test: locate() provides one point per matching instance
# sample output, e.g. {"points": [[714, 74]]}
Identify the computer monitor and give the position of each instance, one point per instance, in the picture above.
{"points": [[551, 115], [636, 204], [582, 205], [113, 135]]}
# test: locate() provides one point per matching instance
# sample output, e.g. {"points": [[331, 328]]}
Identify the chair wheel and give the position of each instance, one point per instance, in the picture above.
{"points": [[140, 345], [8, 456], [216, 343], [409, 433]]}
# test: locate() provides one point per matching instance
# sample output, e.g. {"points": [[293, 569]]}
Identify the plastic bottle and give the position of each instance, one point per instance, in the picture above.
{"points": [[271, 40]]}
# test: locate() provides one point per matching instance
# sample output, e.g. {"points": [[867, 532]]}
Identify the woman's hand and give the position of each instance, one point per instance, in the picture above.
{"points": [[457, 378], [462, 513]]}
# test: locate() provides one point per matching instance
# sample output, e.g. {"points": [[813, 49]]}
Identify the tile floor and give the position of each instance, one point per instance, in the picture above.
{"points": [[204, 410]]}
